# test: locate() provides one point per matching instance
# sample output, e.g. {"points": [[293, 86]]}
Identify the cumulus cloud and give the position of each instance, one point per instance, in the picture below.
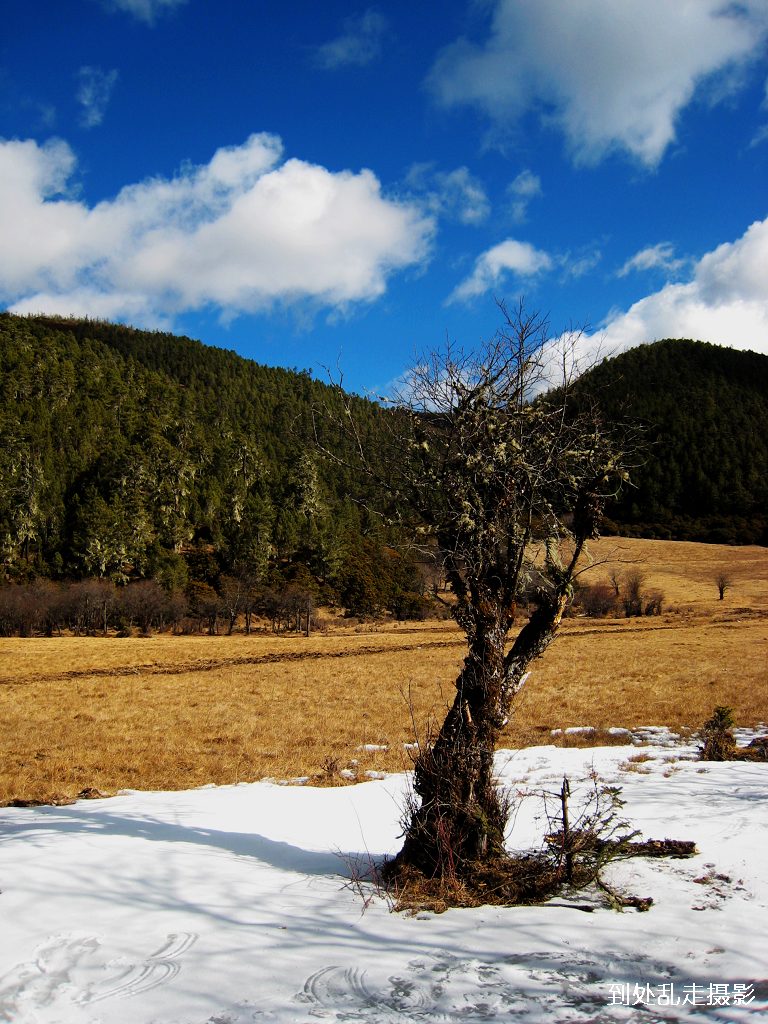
{"points": [[522, 190], [610, 76], [360, 43], [93, 94], [726, 301], [456, 195], [144, 10], [520, 259], [654, 257], [240, 233]]}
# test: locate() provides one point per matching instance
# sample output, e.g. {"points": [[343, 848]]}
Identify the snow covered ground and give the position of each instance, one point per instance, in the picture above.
{"points": [[231, 905]]}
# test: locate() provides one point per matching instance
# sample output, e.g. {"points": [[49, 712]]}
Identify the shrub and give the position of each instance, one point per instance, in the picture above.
{"points": [[719, 742], [597, 600], [410, 606]]}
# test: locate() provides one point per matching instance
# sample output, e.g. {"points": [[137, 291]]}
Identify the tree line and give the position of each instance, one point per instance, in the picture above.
{"points": [[99, 607], [241, 602]]}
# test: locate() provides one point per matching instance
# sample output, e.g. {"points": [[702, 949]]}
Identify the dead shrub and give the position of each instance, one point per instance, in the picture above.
{"points": [[597, 600]]}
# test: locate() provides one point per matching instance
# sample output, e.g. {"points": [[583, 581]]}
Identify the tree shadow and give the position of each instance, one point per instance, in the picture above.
{"points": [[275, 853]]}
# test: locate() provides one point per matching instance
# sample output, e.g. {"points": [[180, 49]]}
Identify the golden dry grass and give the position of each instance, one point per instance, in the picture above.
{"points": [[686, 572], [175, 712]]}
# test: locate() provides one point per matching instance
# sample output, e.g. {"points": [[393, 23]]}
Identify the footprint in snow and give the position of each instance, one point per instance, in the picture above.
{"points": [[39, 981], [62, 965], [443, 987], [159, 968]]}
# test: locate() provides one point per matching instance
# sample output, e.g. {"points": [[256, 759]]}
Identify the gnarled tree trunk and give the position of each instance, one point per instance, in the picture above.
{"points": [[462, 816]]}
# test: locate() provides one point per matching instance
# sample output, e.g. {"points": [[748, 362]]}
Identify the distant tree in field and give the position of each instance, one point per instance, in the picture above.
{"points": [[20, 612], [510, 484], [633, 593], [298, 607], [248, 576], [233, 597], [724, 581], [49, 602]]}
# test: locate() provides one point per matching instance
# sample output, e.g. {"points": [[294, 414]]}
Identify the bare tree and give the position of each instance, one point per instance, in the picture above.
{"points": [[89, 605], [615, 578], [144, 603], [511, 482], [232, 591], [723, 581], [633, 593]]}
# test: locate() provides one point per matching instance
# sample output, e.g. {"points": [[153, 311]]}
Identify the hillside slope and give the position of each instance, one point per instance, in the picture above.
{"points": [[121, 449], [128, 454], [704, 410]]}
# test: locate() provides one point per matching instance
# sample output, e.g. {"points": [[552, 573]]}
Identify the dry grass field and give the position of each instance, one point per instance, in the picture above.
{"points": [[169, 712]]}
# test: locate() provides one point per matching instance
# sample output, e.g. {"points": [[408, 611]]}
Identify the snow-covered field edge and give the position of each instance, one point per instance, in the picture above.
{"points": [[232, 905]]}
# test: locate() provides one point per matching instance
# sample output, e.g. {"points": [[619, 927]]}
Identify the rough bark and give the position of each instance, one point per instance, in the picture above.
{"points": [[462, 815]]}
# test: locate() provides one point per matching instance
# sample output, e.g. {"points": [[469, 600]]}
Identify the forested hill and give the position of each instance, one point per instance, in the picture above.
{"points": [[139, 454], [129, 454], [705, 413]]}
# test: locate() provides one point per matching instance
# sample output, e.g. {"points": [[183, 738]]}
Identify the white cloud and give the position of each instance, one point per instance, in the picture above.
{"points": [[144, 10], [93, 94], [90, 302], [360, 43], [579, 265], [609, 75], [240, 233], [523, 189], [654, 257], [726, 301], [456, 194], [491, 267]]}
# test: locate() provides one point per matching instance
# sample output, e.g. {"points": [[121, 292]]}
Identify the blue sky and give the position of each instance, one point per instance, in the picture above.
{"points": [[322, 184]]}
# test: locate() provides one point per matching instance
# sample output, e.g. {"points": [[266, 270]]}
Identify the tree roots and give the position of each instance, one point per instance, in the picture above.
{"points": [[525, 879]]}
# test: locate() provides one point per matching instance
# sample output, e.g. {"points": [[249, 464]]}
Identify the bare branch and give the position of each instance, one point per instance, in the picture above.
{"points": [[509, 480]]}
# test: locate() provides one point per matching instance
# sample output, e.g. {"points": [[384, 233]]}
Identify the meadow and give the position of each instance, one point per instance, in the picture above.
{"points": [[174, 712]]}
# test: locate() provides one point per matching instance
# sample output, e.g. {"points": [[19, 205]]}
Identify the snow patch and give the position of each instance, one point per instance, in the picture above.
{"points": [[242, 905]]}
